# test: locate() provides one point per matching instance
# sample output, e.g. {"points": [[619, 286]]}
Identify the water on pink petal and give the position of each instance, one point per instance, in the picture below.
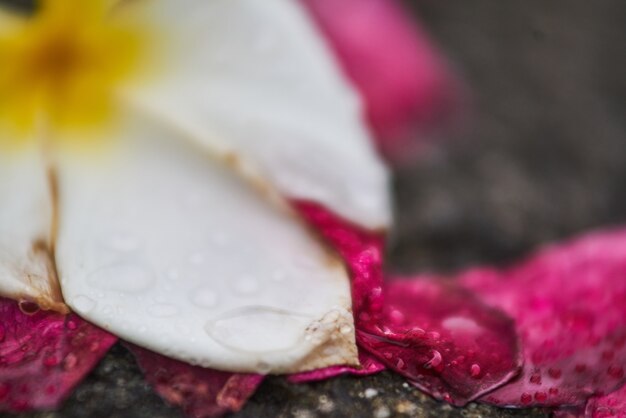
{"points": [[569, 303], [450, 345], [200, 392], [34, 348], [434, 334], [405, 84]]}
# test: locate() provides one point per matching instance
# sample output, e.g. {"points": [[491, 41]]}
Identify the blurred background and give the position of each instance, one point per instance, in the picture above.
{"points": [[539, 154]]}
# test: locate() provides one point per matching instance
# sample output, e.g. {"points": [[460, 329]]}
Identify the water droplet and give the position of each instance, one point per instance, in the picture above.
{"points": [[396, 317], [71, 325], [204, 298], [400, 364], [162, 310], [263, 367], [553, 391], [436, 361], [246, 285], [258, 329], [125, 277], [535, 379], [69, 362], [123, 242], [458, 323], [475, 370], [554, 373], [51, 361], [83, 304], [28, 307], [526, 398], [541, 396]]}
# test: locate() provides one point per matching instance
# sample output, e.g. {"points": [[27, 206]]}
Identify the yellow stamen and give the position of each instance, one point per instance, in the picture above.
{"points": [[63, 66]]}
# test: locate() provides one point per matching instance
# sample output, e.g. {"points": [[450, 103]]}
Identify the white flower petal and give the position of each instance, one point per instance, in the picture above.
{"points": [[253, 79], [26, 268], [169, 249]]}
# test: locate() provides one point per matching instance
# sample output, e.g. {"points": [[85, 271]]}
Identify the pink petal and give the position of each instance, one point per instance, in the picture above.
{"points": [[612, 405], [407, 330], [200, 392], [361, 250], [44, 355], [569, 303], [442, 339], [369, 365], [390, 59]]}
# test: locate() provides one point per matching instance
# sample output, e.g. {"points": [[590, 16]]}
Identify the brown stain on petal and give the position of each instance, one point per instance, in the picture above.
{"points": [[46, 279]]}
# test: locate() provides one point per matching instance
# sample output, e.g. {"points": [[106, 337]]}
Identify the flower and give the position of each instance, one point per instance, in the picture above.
{"points": [[159, 144], [521, 336]]}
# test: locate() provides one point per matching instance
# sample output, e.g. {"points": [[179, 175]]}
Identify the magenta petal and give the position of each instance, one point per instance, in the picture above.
{"points": [[406, 331], [402, 79], [569, 304], [43, 355], [443, 339], [369, 365], [361, 250], [612, 405], [200, 392]]}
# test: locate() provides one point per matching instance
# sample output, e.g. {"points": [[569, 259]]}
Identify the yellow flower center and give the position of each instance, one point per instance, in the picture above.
{"points": [[62, 67]]}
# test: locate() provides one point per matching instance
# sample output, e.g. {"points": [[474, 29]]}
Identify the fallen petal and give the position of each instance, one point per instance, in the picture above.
{"points": [[421, 328], [569, 304], [442, 339], [404, 82], [44, 355], [171, 250], [199, 392]]}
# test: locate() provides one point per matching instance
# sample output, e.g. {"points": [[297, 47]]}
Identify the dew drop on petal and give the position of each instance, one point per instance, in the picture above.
{"points": [[475, 370], [204, 298]]}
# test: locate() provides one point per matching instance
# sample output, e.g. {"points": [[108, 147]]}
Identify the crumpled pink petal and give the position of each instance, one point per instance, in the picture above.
{"points": [[569, 304], [43, 355], [406, 327], [442, 339], [369, 365], [199, 392], [612, 405], [404, 82]]}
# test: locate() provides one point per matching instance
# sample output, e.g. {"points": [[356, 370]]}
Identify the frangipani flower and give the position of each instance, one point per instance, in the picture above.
{"points": [[136, 204], [172, 230]]}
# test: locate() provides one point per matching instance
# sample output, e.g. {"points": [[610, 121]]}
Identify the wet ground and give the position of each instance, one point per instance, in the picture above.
{"points": [[540, 156]]}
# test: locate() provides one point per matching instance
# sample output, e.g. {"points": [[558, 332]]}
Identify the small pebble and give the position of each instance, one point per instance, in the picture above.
{"points": [[382, 412], [370, 393]]}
